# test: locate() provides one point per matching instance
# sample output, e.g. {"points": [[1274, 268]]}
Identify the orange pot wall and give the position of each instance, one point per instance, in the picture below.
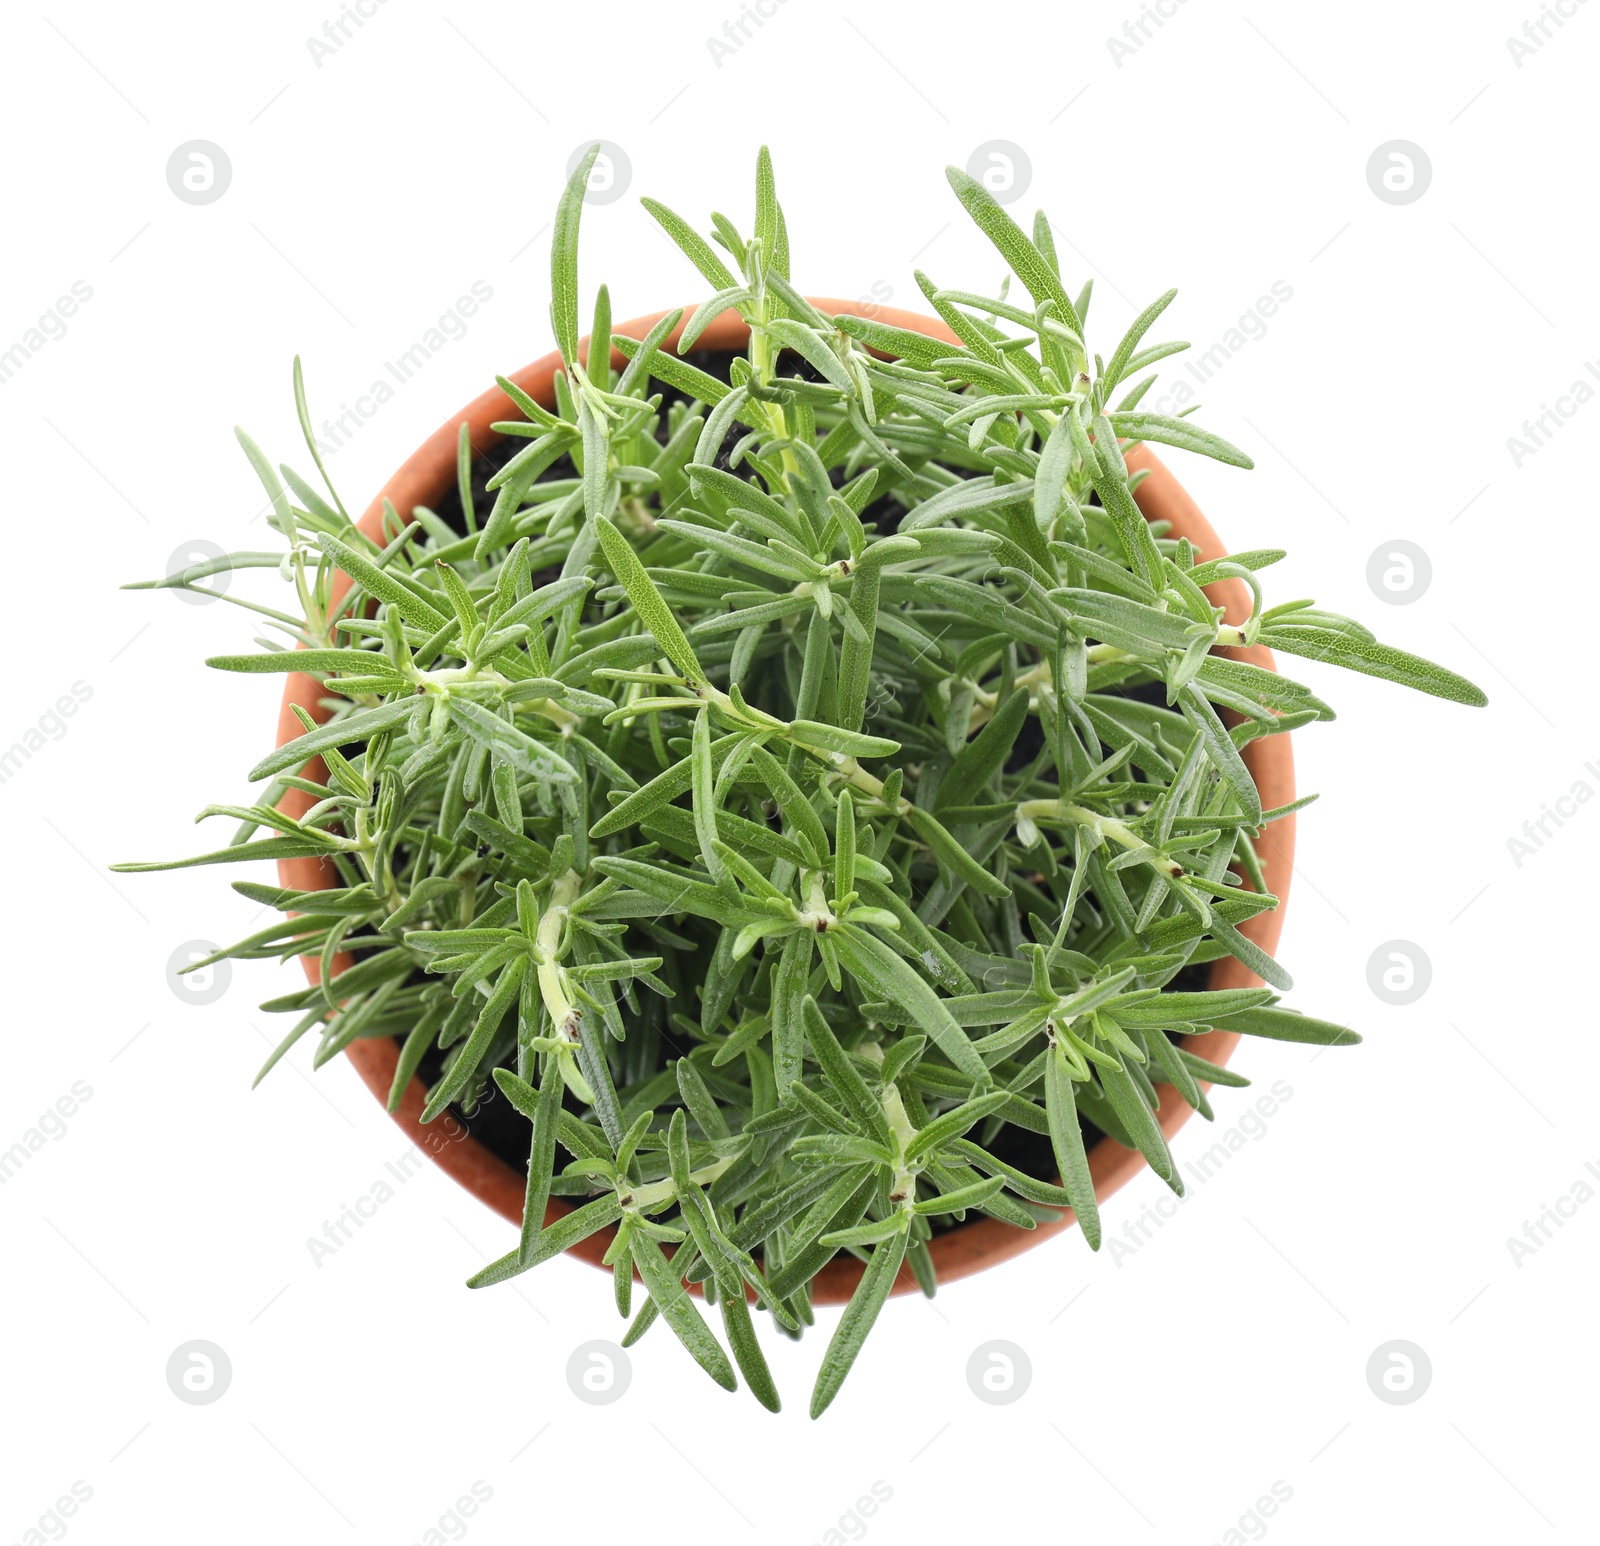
{"points": [[431, 471]]}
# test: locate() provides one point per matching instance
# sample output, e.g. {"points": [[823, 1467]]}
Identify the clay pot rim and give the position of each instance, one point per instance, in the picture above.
{"points": [[970, 1247]]}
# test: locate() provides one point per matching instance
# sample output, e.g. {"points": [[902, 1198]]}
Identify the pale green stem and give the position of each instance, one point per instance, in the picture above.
{"points": [[554, 986], [903, 1189], [1031, 811], [657, 1193], [761, 362], [817, 914]]}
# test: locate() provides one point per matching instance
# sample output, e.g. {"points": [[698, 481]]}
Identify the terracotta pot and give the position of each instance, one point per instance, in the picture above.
{"points": [[430, 472]]}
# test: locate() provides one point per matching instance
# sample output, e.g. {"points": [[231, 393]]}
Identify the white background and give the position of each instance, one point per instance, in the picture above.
{"points": [[1172, 1384]]}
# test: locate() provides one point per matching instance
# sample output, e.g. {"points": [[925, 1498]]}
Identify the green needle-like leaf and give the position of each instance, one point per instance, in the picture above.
{"points": [[653, 611], [1066, 1140], [564, 258], [677, 1310], [857, 1320]]}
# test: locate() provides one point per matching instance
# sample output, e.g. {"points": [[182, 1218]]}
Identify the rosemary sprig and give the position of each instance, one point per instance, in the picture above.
{"points": [[698, 788]]}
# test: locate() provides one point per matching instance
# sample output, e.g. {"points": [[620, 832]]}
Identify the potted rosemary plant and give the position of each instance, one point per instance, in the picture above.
{"points": [[771, 753]]}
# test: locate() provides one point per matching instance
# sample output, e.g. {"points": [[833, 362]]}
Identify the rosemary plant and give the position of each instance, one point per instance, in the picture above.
{"points": [[800, 789]]}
